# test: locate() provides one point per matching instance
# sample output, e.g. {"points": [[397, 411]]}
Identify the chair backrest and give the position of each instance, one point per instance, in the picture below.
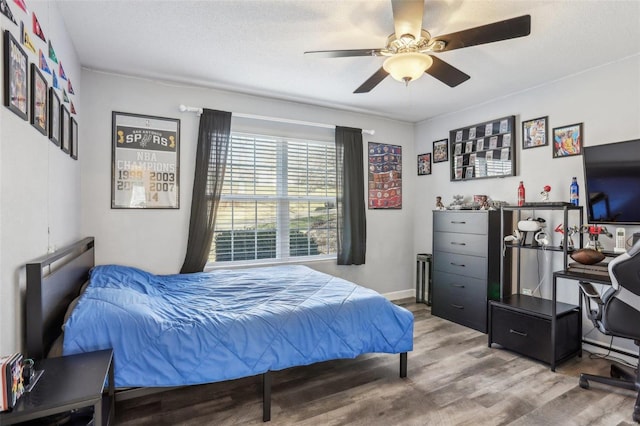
{"points": [[621, 314]]}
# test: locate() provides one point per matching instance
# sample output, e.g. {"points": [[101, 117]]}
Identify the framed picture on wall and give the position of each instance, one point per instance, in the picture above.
{"points": [[385, 176], [15, 76], [441, 150], [74, 138], [567, 140], [534, 132], [145, 162], [424, 164], [65, 129], [39, 107], [54, 117]]}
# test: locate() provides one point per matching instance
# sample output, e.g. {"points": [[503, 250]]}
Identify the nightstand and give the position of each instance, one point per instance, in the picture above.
{"points": [[68, 383]]}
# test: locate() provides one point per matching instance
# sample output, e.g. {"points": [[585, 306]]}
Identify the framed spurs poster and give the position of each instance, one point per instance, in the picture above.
{"points": [[145, 162]]}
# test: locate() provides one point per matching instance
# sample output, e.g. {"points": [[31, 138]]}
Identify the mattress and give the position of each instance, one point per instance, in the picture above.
{"points": [[184, 329]]}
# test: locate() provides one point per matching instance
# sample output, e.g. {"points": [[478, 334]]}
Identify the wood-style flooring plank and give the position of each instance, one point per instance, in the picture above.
{"points": [[453, 379]]}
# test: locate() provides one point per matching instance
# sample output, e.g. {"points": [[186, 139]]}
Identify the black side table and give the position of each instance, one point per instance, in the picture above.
{"points": [[69, 383]]}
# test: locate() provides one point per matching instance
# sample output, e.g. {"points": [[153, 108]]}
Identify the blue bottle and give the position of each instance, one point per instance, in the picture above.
{"points": [[574, 193]]}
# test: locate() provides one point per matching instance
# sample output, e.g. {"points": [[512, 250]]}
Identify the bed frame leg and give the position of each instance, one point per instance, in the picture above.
{"points": [[403, 364], [266, 396]]}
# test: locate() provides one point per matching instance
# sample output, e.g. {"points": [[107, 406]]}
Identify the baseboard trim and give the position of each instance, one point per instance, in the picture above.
{"points": [[402, 294]]}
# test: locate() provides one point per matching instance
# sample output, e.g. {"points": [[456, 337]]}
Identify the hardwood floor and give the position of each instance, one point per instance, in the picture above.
{"points": [[453, 379]]}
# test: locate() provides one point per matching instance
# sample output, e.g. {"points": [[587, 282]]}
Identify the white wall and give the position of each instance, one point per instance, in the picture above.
{"points": [[605, 99], [156, 239], [39, 184]]}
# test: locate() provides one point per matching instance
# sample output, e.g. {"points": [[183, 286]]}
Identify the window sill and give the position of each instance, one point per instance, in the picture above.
{"points": [[269, 262]]}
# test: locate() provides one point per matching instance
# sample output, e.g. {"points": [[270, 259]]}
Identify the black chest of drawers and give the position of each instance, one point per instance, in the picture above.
{"points": [[466, 265]]}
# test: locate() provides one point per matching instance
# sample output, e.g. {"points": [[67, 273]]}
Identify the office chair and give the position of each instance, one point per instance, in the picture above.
{"points": [[617, 313]]}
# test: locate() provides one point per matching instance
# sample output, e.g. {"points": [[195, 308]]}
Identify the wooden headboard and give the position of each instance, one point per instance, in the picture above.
{"points": [[53, 281]]}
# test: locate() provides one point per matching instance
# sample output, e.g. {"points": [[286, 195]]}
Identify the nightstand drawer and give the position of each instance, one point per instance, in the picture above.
{"points": [[461, 264], [460, 299], [462, 222], [530, 335], [452, 242]]}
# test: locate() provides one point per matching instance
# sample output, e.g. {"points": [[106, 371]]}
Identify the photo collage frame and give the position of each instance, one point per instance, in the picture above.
{"points": [[483, 150]]}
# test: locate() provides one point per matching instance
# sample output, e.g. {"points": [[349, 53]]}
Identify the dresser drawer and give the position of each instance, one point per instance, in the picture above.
{"points": [[452, 242], [462, 222], [461, 264], [530, 335], [460, 299]]}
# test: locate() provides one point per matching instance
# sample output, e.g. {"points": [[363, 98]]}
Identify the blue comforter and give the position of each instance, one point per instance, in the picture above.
{"points": [[187, 329]]}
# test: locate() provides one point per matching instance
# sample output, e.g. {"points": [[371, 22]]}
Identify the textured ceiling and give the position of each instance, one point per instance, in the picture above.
{"points": [[257, 47]]}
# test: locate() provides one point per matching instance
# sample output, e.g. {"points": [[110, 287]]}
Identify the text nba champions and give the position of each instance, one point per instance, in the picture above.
{"points": [[147, 165]]}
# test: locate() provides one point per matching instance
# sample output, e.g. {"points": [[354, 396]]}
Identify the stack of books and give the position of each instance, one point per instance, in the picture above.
{"points": [[11, 383], [600, 268]]}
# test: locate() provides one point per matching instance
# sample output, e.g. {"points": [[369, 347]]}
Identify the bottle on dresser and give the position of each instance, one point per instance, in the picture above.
{"points": [[521, 194], [574, 192]]}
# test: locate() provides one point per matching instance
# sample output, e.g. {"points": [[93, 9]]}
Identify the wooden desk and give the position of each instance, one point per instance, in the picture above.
{"points": [[576, 276]]}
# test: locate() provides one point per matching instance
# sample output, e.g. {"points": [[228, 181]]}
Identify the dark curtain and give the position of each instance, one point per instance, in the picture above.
{"points": [[352, 220], [211, 159]]}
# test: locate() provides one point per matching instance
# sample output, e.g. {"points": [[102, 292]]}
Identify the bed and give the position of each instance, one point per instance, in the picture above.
{"points": [[177, 330]]}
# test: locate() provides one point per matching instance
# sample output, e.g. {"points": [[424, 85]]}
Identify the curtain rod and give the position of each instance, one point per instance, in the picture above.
{"points": [[184, 108]]}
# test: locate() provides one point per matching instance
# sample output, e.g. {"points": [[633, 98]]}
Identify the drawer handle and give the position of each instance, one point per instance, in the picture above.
{"points": [[462, 265], [519, 333], [457, 306], [459, 222], [458, 244], [457, 285]]}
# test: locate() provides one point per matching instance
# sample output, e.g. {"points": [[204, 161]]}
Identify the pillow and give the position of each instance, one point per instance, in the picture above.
{"points": [[55, 350], [70, 309]]}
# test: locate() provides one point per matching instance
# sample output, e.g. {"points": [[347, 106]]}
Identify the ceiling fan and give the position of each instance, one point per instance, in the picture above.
{"points": [[409, 48]]}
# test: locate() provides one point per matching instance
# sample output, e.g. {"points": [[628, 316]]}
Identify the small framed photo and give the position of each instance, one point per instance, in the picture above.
{"points": [[480, 145], [567, 140], [54, 117], [469, 147], [39, 107], [493, 142], [74, 138], [65, 130], [441, 150], [424, 164], [468, 172], [457, 149], [15, 76], [535, 132], [472, 133]]}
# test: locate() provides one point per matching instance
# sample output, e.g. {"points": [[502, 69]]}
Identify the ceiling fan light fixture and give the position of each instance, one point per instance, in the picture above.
{"points": [[406, 67]]}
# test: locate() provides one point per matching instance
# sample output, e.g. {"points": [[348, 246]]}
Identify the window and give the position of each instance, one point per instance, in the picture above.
{"points": [[277, 201]]}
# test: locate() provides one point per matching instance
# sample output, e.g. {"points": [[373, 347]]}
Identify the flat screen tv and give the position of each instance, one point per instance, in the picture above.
{"points": [[612, 180]]}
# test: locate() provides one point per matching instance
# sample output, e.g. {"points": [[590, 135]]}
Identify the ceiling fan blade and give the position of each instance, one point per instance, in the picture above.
{"points": [[372, 81], [345, 53], [407, 17], [446, 73], [497, 31]]}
